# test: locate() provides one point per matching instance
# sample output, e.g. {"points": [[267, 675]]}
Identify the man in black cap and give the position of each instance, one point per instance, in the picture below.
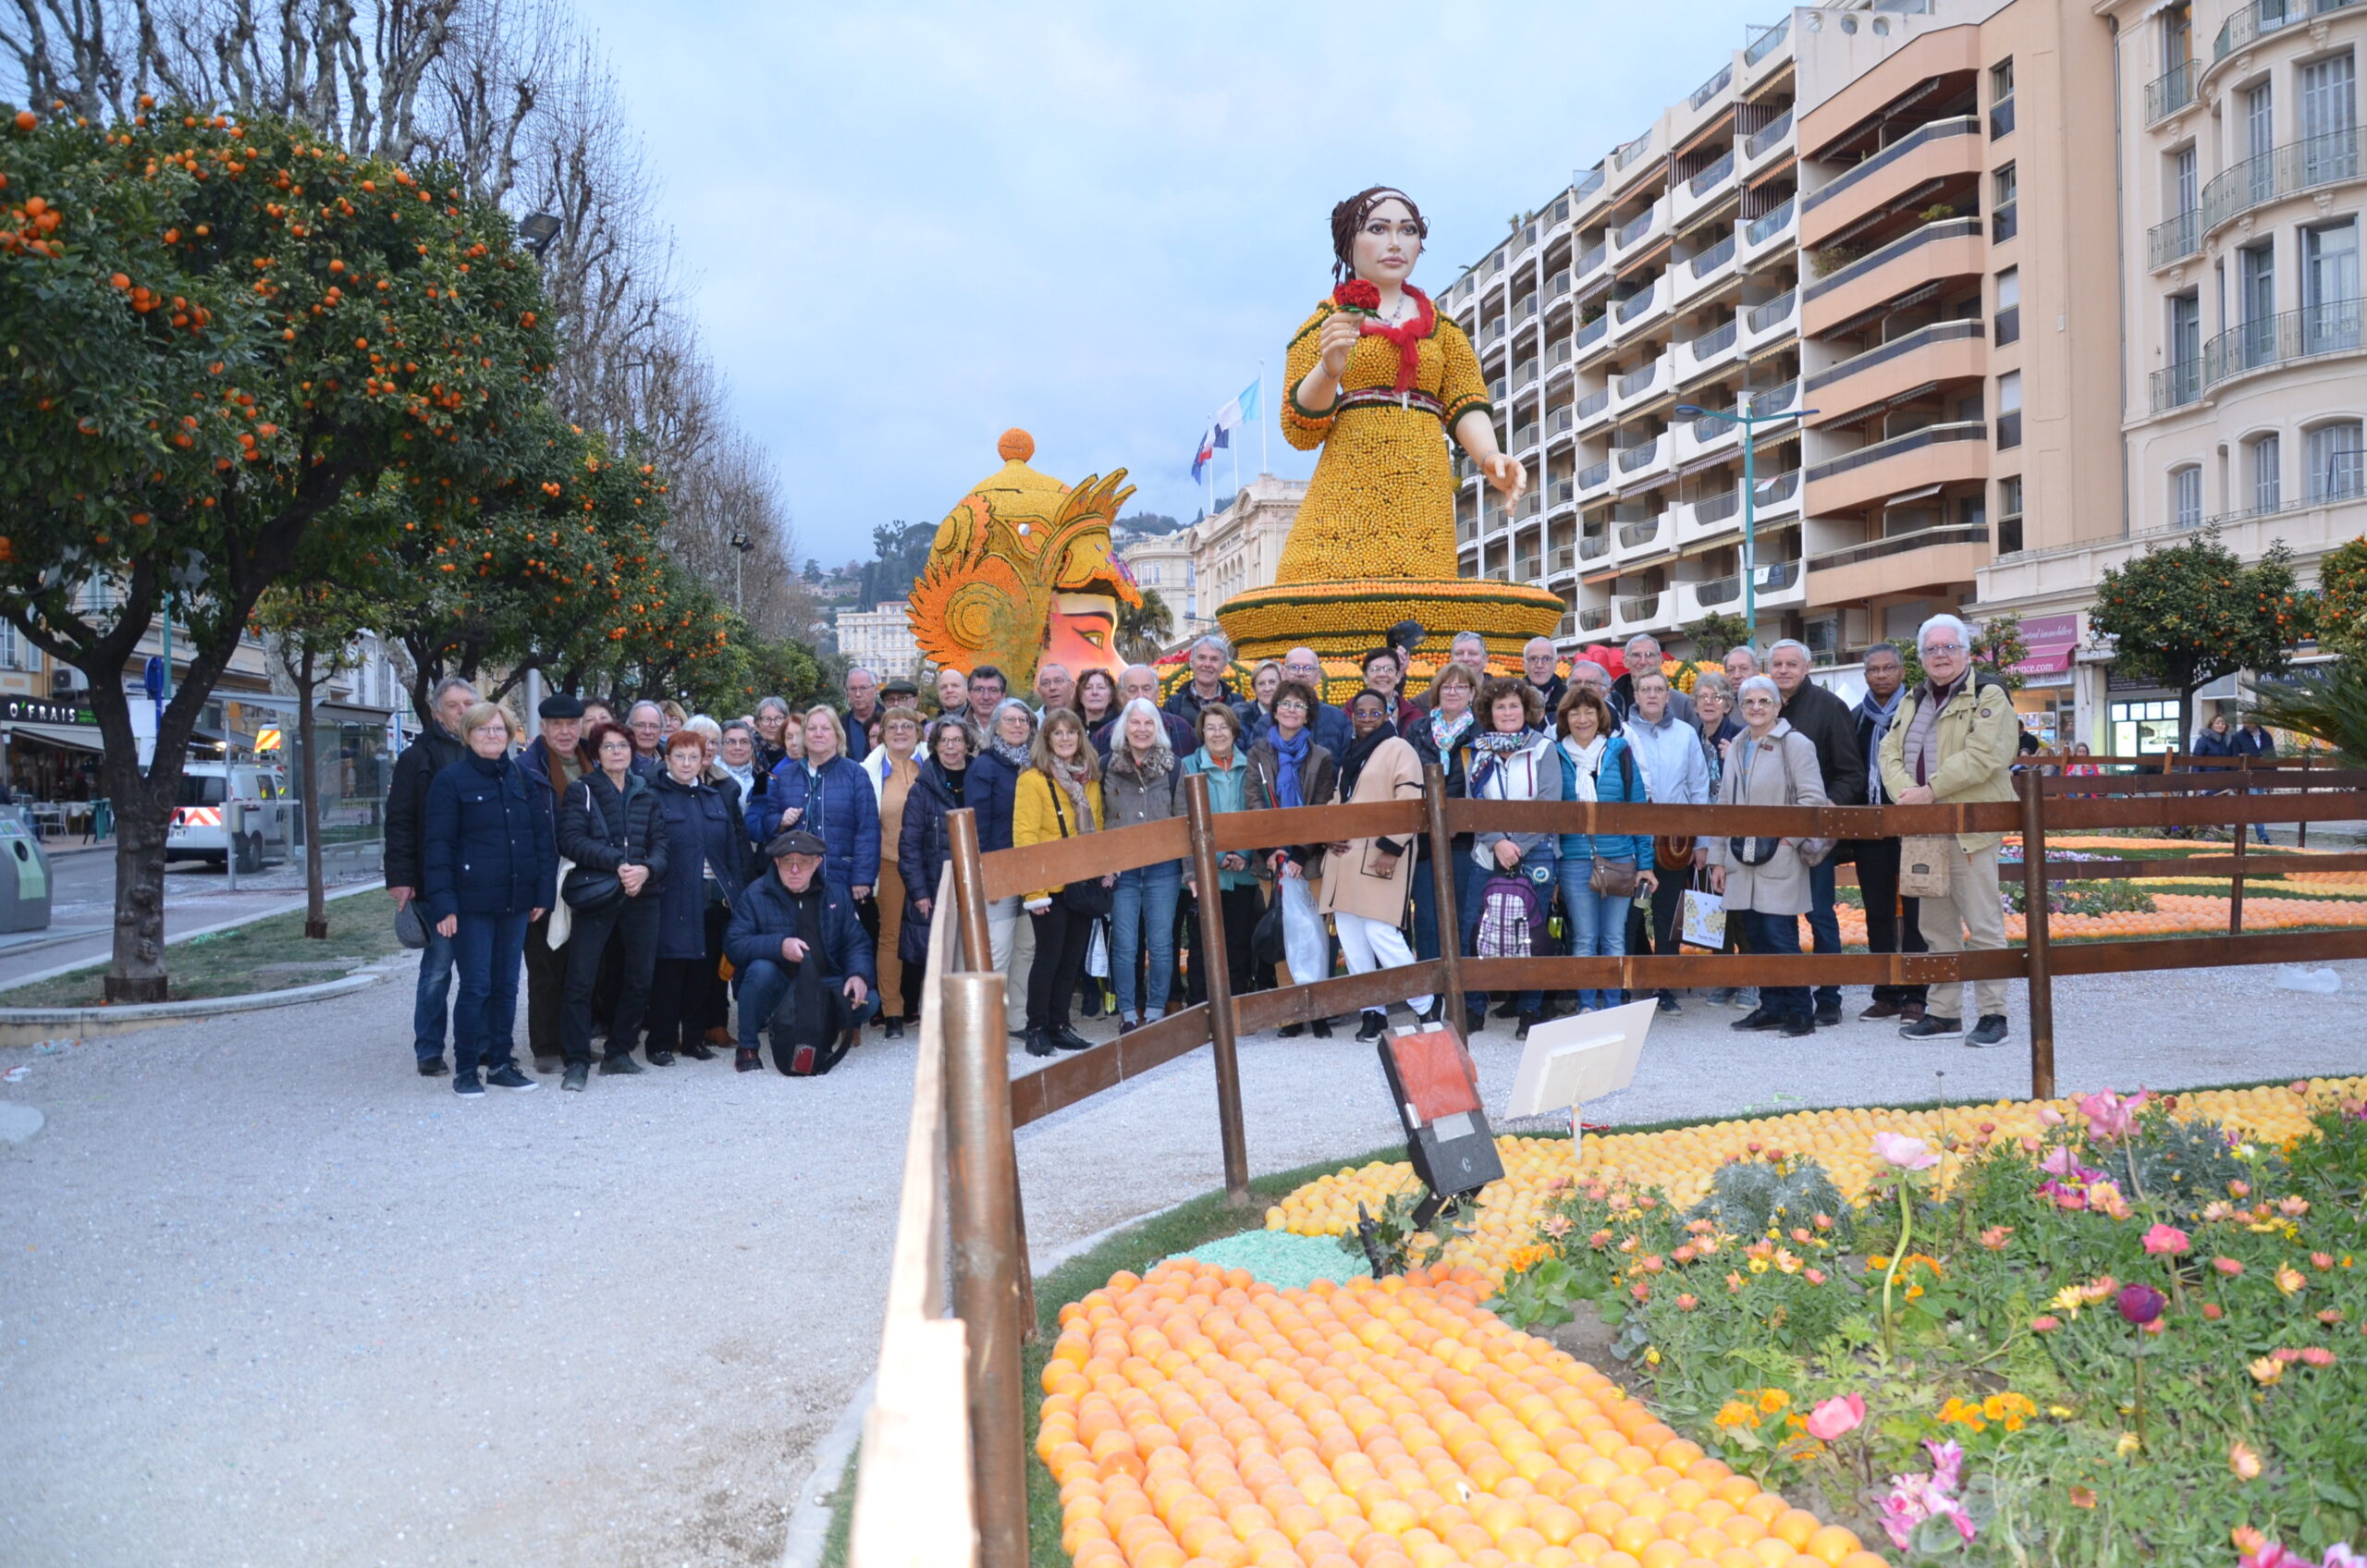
{"points": [[805, 964], [554, 761]]}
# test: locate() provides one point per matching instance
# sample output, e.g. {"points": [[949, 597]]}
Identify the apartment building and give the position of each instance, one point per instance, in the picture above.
{"points": [[1162, 564], [2242, 168], [1827, 236], [1228, 552], [880, 640]]}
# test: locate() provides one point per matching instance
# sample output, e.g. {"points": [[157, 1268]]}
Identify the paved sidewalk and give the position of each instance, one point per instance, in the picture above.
{"points": [[270, 1297]]}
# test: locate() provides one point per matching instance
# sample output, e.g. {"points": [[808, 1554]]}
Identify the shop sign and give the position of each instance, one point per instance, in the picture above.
{"points": [[32, 710]]}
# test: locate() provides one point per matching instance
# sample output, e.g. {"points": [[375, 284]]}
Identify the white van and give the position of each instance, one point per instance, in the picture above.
{"points": [[202, 814]]}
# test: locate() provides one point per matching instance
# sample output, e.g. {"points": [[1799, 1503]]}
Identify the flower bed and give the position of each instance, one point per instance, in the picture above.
{"points": [[2119, 1330]]}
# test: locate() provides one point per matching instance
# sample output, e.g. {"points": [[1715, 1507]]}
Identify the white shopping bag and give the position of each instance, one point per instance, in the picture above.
{"points": [[1096, 951], [1705, 919]]}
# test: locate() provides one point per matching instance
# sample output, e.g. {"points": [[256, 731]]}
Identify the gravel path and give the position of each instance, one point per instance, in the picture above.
{"points": [[269, 1296]]}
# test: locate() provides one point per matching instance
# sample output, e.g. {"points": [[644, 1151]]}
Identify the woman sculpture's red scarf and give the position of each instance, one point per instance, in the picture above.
{"points": [[1364, 297]]}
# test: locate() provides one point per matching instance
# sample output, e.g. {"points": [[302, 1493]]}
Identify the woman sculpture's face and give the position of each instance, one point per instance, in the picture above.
{"points": [[1265, 683], [1013, 727], [616, 756], [1142, 733], [953, 749], [821, 739], [1365, 715], [1065, 742], [1508, 714], [1584, 723], [1389, 243]]}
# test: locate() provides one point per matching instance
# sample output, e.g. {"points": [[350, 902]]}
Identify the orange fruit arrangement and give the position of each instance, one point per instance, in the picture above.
{"points": [[1196, 1417]]}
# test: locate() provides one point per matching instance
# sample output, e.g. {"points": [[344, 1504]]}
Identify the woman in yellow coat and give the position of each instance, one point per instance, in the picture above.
{"points": [[1058, 797]]}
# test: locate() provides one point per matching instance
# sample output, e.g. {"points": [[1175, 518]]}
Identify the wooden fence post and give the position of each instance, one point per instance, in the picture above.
{"points": [[2034, 937], [2301, 829], [969, 891], [1216, 980], [1450, 919], [988, 1257], [2243, 832]]}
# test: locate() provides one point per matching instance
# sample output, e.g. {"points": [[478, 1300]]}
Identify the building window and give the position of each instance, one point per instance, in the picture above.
{"points": [[2003, 223], [2186, 497], [2009, 306], [2333, 456], [2330, 308], [12, 653], [2001, 99], [2268, 462], [2260, 140], [2009, 514], [2185, 192], [2009, 410], [2256, 304], [2329, 114]]}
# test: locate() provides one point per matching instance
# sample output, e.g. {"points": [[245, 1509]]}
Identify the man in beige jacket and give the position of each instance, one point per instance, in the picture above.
{"points": [[1954, 739]]}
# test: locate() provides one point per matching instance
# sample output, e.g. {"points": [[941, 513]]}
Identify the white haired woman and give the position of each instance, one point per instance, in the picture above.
{"points": [[1766, 880], [1141, 783]]}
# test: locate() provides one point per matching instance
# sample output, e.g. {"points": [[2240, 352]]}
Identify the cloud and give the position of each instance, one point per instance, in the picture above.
{"points": [[908, 228]]}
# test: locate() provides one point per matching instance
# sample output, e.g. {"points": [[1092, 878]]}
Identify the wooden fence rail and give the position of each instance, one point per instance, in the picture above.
{"points": [[960, 1295]]}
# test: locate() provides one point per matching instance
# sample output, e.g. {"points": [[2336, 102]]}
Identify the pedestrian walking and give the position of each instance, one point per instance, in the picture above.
{"points": [[1832, 728], [489, 866], [611, 827], [1059, 797], [706, 865], [1365, 880], [1766, 880], [1953, 740], [437, 748]]}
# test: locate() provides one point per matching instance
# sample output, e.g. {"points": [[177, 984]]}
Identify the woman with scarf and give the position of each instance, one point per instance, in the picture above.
{"points": [[1713, 707], [1365, 892], [1765, 881], [609, 824], [924, 843], [1287, 770], [1058, 797], [1140, 783], [1225, 762], [1443, 737], [1007, 754], [891, 768], [1598, 769], [1514, 762]]}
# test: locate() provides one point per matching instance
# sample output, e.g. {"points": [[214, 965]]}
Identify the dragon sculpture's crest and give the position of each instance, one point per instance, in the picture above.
{"points": [[1021, 571]]}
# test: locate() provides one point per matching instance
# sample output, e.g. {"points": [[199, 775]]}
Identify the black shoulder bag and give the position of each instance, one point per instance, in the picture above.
{"points": [[588, 891], [1086, 897]]}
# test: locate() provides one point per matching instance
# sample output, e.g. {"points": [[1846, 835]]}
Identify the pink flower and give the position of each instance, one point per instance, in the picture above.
{"points": [[2048, 1116], [2318, 1355], [1905, 1153], [2227, 1265], [2109, 1115], [2166, 1239], [2045, 1323], [1836, 1417]]}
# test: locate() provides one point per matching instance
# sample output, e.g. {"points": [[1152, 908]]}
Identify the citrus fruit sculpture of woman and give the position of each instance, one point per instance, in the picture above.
{"points": [[1378, 379]]}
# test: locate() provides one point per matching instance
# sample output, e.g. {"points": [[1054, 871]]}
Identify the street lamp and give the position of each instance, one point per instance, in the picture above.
{"points": [[1749, 423], [537, 230], [742, 544]]}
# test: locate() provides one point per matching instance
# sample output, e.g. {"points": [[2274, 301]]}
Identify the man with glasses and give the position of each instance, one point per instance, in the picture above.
{"points": [[1954, 739], [1141, 681], [1893, 924], [1540, 666], [1644, 657], [1826, 720], [1330, 724]]}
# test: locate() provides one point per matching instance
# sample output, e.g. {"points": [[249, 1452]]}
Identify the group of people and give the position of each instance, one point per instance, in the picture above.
{"points": [[645, 870]]}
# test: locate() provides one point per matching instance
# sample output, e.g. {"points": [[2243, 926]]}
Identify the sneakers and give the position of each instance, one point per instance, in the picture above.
{"points": [[577, 1071], [1828, 1014], [506, 1076], [1721, 996], [660, 1059], [615, 1065], [1795, 1025], [895, 1030], [466, 1084], [747, 1061], [1758, 1017], [1067, 1039], [1879, 1011], [1931, 1026], [433, 1067], [1912, 1011], [1989, 1031], [1040, 1043], [1374, 1026], [1668, 1004], [1127, 1026], [697, 1051]]}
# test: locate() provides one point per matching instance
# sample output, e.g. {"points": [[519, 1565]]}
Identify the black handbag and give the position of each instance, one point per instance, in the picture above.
{"points": [[1086, 897], [1266, 936], [589, 892]]}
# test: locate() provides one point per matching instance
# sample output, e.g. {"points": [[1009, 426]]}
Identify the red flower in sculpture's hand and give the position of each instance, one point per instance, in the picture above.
{"points": [[1358, 294]]}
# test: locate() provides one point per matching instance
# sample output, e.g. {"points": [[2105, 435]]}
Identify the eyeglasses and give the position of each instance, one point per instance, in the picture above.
{"points": [[1943, 648], [1289, 705], [1759, 702]]}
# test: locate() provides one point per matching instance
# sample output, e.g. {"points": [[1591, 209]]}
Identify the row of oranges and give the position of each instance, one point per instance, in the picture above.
{"points": [[2173, 914], [1198, 1418]]}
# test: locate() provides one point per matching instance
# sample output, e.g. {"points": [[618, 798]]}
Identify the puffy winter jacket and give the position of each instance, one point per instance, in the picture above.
{"points": [[701, 832], [836, 806], [602, 827], [415, 769], [488, 846], [994, 785], [764, 915], [1319, 780], [923, 845]]}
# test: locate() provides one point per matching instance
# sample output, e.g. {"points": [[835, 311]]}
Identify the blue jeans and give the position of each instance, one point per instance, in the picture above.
{"points": [[1594, 925], [764, 983], [433, 1004], [1143, 915], [488, 951], [1824, 928], [1779, 934]]}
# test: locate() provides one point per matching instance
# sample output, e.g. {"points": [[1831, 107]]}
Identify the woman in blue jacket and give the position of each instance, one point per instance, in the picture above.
{"points": [[831, 798], [1597, 768], [706, 866], [994, 784], [489, 867]]}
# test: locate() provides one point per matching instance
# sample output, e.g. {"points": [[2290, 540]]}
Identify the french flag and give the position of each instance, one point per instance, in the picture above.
{"points": [[1210, 439]]}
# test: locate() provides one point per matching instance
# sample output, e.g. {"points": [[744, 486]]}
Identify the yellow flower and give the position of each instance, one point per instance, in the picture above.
{"points": [[2068, 1301], [2061, 1412], [1772, 1400], [1733, 1412], [2267, 1370], [1652, 1356], [1759, 1266], [2290, 1280], [2127, 1446], [2009, 1408]]}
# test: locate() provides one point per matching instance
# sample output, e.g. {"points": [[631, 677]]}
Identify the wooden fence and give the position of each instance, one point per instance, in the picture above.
{"points": [[959, 1443]]}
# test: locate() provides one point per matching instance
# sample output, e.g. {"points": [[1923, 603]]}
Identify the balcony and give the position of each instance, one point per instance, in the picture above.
{"points": [[1768, 138], [1773, 400], [1594, 476], [1644, 612], [2310, 163], [1644, 462], [1588, 183], [2263, 17], [1768, 230], [1937, 454], [1523, 374], [1561, 493], [1492, 334], [1712, 87], [1711, 267], [1779, 496], [1594, 618], [1699, 437], [1712, 347], [1949, 248], [1949, 149], [1559, 358], [1523, 437], [1641, 230], [1774, 583], [2166, 244], [1590, 260], [1640, 384], [1594, 547], [1588, 407], [1591, 333], [1779, 317], [1767, 42], [1559, 422], [1633, 314], [1945, 350], [1928, 556], [1644, 536], [2171, 91], [2177, 384], [2288, 338], [1703, 190], [2001, 118], [1564, 559], [1707, 518]]}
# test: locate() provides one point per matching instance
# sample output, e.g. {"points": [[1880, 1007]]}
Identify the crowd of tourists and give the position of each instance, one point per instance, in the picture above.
{"points": [[657, 873]]}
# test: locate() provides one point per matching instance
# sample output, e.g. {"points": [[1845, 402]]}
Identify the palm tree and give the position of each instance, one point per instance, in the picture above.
{"points": [[1143, 630], [2331, 706]]}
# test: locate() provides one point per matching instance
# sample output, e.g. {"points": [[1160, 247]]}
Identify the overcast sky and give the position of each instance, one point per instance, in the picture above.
{"points": [[908, 229]]}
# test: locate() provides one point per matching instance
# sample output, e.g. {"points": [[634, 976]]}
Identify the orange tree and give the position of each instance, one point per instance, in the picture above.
{"points": [[2189, 613], [215, 333]]}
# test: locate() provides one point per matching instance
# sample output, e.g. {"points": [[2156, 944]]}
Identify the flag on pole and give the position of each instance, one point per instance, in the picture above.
{"points": [[1219, 435], [1210, 439]]}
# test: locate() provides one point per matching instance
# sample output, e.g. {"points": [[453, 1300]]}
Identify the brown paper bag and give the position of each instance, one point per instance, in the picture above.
{"points": [[1924, 866]]}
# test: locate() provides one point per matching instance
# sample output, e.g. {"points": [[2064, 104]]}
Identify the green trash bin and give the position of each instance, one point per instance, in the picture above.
{"points": [[103, 819]]}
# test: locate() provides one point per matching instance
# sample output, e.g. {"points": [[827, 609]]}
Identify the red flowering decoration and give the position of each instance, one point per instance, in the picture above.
{"points": [[1358, 294]]}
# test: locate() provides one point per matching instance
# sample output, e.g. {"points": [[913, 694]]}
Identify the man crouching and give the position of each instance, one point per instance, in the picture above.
{"points": [[804, 964]]}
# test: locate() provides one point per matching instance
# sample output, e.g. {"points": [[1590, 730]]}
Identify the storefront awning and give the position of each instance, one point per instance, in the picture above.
{"points": [[76, 737], [2052, 642]]}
